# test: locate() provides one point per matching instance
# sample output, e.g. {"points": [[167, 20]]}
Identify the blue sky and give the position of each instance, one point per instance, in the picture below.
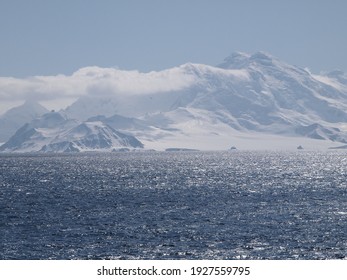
{"points": [[41, 37]]}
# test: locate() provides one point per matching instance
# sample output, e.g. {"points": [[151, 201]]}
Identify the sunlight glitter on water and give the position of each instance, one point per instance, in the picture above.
{"points": [[243, 205]]}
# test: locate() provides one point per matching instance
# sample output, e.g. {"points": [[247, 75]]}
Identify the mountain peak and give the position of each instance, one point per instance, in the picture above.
{"points": [[14, 118], [49, 120], [29, 107], [238, 60], [30, 102], [261, 57], [53, 116], [235, 60]]}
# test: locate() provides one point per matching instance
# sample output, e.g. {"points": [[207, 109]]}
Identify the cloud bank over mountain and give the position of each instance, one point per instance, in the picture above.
{"points": [[92, 81]]}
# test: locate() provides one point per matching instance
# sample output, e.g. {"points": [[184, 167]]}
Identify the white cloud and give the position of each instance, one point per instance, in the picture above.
{"points": [[110, 81], [90, 81], [40, 88]]}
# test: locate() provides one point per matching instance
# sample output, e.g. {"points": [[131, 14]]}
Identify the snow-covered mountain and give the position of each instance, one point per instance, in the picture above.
{"points": [[248, 101], [248, 92], [54, 133], [260, 93], [18, 116]]}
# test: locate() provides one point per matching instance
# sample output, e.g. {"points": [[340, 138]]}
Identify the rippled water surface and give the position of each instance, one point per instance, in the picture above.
{"points": [[179, 205]]}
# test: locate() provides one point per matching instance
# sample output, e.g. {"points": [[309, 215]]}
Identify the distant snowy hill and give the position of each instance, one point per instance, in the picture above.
{"points": [[18, 116], [54, 133], [248, 101]]}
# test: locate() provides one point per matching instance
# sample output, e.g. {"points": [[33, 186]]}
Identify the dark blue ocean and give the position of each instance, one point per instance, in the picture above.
{"points": [[174, 205]]}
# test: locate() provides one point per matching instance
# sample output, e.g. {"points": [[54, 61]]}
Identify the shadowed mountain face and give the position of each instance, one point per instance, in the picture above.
{"points": [[14, 118]]}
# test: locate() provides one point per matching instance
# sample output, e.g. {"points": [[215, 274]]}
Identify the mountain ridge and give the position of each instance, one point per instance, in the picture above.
{"points": [[247, 94], [54, 133]]}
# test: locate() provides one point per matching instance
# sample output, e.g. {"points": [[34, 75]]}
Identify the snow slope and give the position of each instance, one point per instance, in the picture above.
{"points": [[257, 95], [248, 92], [54, 133]]}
